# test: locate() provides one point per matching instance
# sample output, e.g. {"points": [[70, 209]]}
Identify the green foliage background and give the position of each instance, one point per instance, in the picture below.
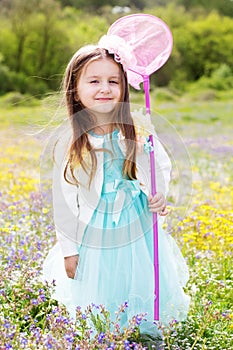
{"points": [[38, 37]]}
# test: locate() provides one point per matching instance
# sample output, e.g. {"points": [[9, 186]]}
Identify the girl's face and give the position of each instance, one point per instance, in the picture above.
{"points": [[99, 86]]}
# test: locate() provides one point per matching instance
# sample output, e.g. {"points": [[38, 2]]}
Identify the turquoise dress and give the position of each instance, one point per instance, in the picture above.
{"points": [[116, 254]]}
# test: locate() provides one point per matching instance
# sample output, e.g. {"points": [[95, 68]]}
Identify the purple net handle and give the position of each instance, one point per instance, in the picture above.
{"points": [[146, 85]]}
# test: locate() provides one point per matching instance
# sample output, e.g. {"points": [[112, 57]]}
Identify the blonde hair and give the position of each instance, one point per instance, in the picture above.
{"points": [[82, 121]]}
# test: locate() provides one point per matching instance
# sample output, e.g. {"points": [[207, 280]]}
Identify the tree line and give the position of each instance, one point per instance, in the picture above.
{"points": [[38, 37], [224, 7]]}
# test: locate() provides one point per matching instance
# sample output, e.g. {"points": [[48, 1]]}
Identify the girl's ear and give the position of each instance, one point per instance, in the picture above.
{"points": [[76, 98]]}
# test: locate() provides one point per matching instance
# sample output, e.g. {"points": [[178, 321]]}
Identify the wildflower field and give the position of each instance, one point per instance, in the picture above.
{"points": [[31, 319]]}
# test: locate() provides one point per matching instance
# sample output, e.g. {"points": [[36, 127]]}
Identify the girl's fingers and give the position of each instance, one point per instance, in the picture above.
{"points": [[158, 207], [157, 203], [157, 210], [150, 197], [71, 263], [156, 198], [164, 212]]}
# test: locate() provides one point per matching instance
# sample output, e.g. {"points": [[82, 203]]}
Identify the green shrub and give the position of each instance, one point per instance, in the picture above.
{"points": [[24, 84], [220, 79], [5, 79], [13, 99], [204, 95], [13, 81], [163, 94]]}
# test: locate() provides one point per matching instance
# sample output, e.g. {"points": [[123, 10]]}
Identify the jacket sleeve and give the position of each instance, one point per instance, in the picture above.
{"points": [[144, 126], [65, 205], [162, 166]]}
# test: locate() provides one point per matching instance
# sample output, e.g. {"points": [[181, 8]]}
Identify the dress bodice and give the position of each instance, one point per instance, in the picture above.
{"points": [[113, 157]]}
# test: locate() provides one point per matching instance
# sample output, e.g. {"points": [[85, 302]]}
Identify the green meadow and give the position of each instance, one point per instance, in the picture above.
{"points": [[202, 224]]}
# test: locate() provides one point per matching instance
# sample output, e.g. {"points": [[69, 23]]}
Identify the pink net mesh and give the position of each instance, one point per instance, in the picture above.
{"points": [[150, 40]]}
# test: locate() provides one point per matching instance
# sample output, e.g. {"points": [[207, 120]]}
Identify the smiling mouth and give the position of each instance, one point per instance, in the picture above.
{"points": [[104, 99]]}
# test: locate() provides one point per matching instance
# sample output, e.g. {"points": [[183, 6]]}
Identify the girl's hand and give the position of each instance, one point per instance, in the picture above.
{"points": [[157, 204], [71, 263]]}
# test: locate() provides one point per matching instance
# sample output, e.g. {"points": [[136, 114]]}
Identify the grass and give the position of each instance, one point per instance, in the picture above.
{"points": [[201, 221]]}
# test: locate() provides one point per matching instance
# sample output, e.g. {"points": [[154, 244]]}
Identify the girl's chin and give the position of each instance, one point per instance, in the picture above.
{"points": [[104, 108]]}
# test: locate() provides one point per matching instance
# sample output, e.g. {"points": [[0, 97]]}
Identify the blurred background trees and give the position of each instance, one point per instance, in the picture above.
{"points": [[38, 37]]}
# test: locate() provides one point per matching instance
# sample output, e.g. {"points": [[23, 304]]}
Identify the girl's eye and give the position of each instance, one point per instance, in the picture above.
{"points": [[94, 81], [113, 82]]}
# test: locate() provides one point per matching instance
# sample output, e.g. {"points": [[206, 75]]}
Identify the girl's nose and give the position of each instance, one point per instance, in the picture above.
{"points": [[105, 88]]}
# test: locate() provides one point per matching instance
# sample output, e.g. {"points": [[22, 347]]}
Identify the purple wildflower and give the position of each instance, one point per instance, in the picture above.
{"points": [[101, 337], [23, 341], [69, 338], [138, 320], [42, 297], [49, 345], [6, 324], [126, 345]]}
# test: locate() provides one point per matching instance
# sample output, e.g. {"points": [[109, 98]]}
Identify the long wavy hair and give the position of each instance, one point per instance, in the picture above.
{"points": [[83, 121]]}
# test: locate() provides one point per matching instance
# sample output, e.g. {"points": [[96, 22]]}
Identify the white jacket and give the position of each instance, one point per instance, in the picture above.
{"points": [[73, 206]]}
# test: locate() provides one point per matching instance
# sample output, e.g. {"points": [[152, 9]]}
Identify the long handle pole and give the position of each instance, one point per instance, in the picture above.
{"points": [[146, 85]]}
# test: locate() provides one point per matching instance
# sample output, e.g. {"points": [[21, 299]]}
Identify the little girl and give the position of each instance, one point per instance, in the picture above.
{"points": [[102, 200]]}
